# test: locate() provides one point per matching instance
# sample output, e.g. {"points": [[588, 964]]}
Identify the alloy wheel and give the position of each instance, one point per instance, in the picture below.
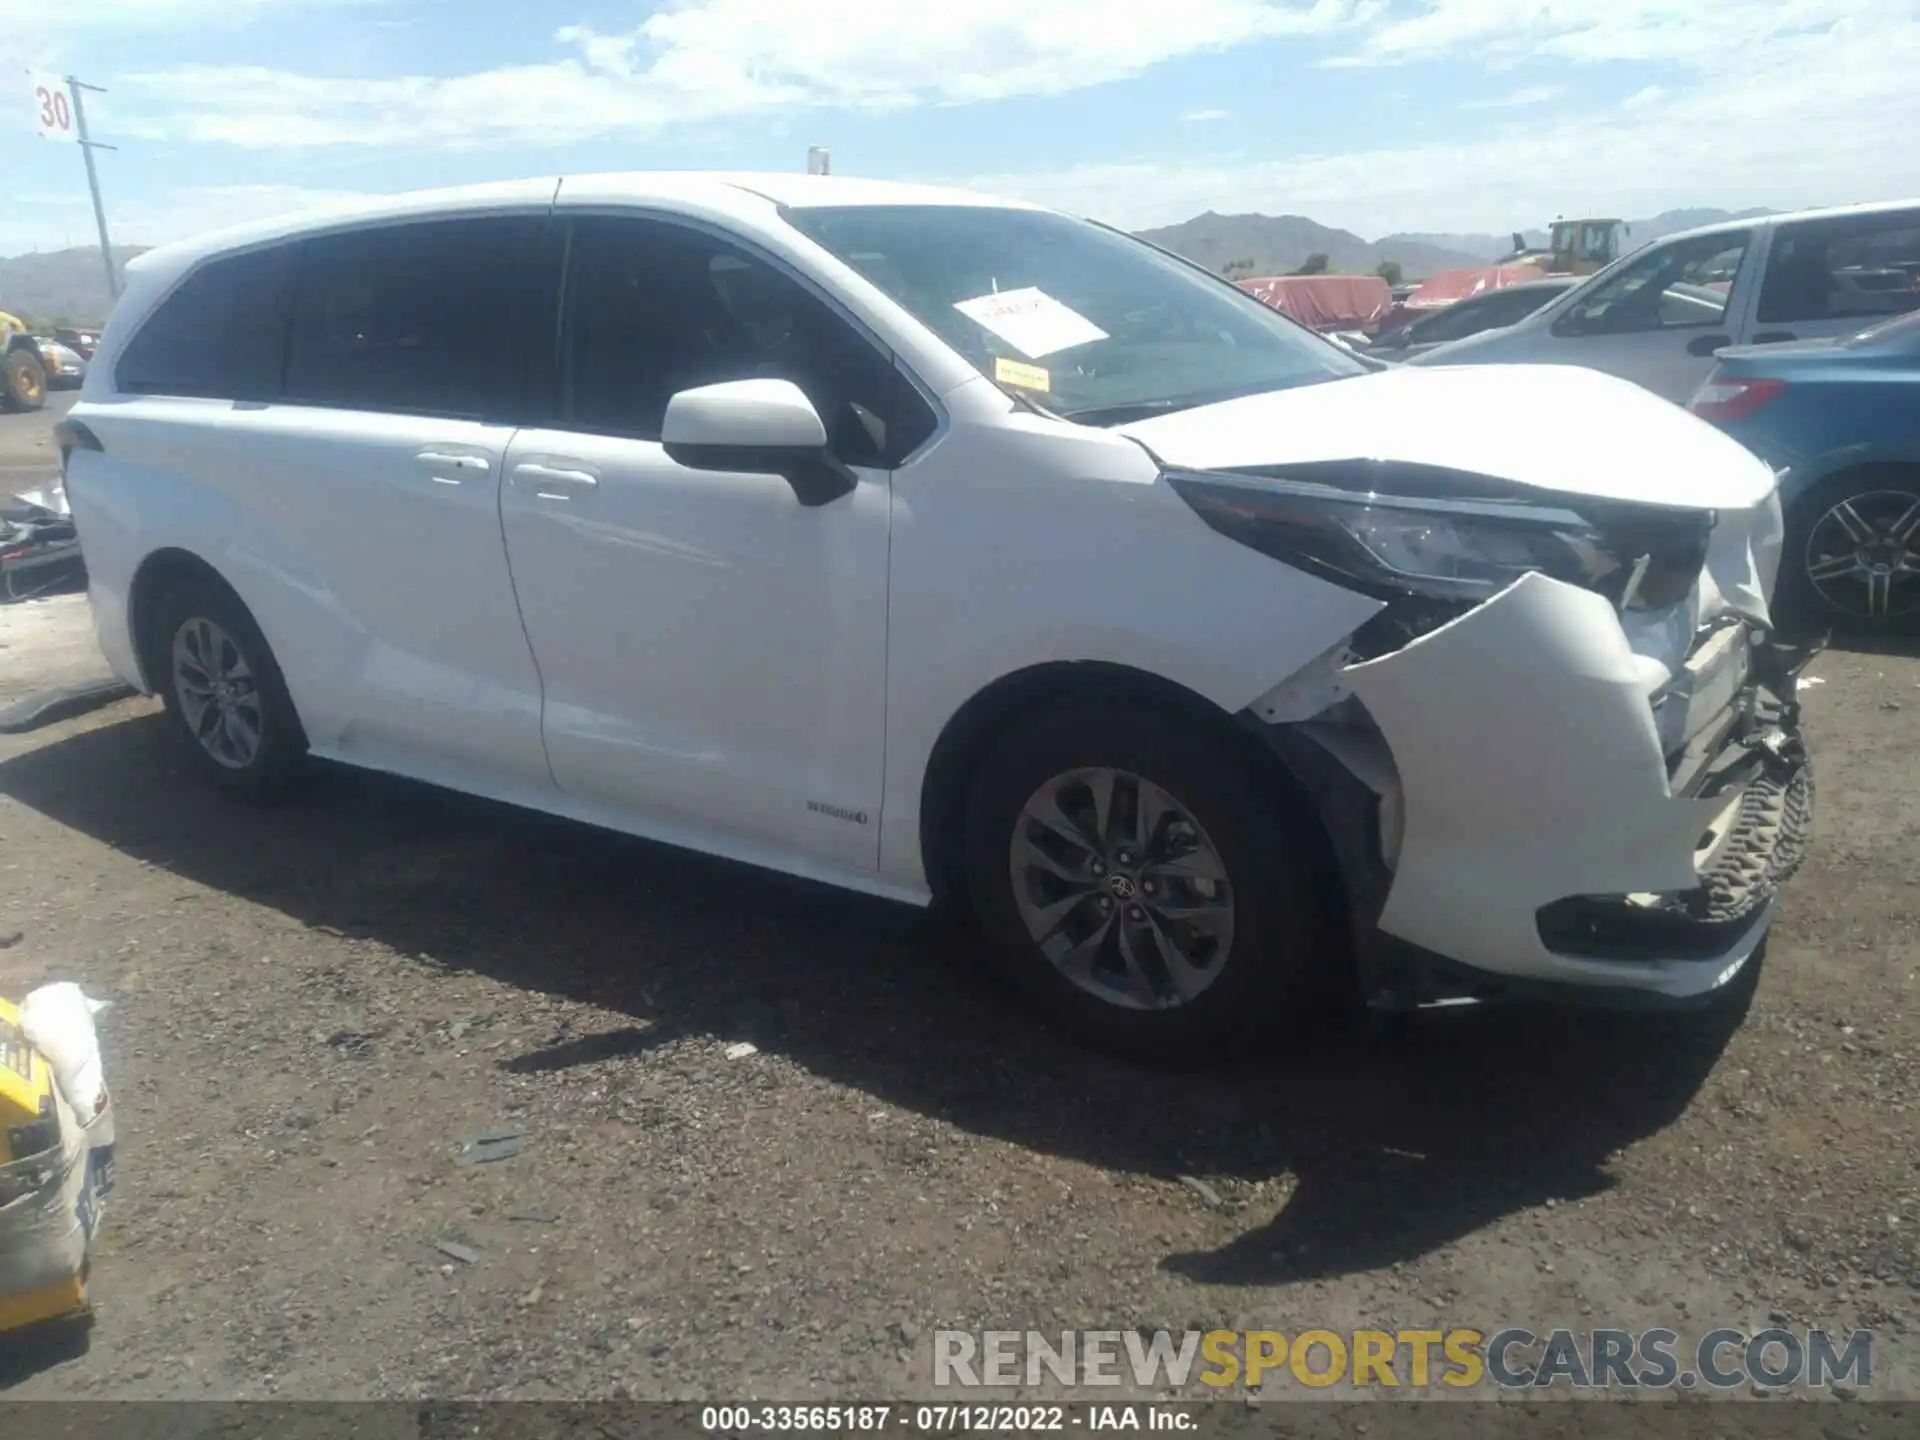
{"points": [[1861, 556], [219, 699], [1122, 889]]}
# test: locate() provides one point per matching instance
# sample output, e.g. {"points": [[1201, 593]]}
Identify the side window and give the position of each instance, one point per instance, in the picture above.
{"points": [[1679, 286], [1865, 266], [1460, 319], [653, 308], [419, 318], [221, 335]]}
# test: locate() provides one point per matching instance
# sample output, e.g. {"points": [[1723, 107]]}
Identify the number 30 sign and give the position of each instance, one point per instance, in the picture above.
{"points": [[52, 111]]}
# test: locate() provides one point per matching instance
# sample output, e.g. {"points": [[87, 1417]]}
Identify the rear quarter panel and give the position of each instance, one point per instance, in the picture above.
{"points": [[1830, 419]]}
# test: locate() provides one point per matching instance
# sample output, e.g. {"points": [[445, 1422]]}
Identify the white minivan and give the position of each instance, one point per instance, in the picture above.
{"points": [[1659, 315], [937, 546]]}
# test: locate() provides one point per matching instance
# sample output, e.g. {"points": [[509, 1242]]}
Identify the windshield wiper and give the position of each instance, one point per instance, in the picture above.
{"points": [[1026, 401], [1120, 414], [1142, 409]]}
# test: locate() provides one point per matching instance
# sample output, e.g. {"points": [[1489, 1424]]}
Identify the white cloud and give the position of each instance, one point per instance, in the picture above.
{"points": [[197, 208], [64, 218], [1708, 36], [1756, 101], [701, 60], [52, 35], [1786, 103], [1201, 117], [1514, 99]]}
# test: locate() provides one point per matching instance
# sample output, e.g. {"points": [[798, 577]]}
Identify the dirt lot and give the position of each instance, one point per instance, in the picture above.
{"points": [[315, 1005]]}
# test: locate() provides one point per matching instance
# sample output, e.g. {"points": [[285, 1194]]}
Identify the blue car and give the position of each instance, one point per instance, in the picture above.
{"points": [[1840, 421]]}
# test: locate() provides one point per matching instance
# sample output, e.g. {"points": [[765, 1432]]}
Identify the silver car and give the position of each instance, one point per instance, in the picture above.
{"points": [[1659, 315]]}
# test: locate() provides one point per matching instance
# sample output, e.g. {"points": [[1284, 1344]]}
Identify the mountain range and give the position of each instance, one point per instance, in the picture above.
{"points": [[63, 285], [69, 284]]}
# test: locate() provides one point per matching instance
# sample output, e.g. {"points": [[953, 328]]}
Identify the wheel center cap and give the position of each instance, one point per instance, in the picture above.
{"points": [[1122, 887]]}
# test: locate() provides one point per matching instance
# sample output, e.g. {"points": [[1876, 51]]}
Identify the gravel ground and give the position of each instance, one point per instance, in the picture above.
{"points": [[317, 1004]]}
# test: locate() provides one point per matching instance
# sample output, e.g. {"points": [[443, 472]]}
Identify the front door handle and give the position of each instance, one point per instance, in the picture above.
{"points": [[1707, 344], [553, 482], [1772, 337]]}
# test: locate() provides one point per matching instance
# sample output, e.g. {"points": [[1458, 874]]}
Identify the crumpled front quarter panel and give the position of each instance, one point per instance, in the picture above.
{"points": [[1019, 541], [1532, 770]]}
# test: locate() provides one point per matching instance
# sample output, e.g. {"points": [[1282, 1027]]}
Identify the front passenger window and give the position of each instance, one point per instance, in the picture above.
{"points": [[654, 308]]}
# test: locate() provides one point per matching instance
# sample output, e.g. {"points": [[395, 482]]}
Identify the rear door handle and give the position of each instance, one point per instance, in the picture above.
{"points": [[553, 482], [1707, 344], [1772, 337], [463, 465]]}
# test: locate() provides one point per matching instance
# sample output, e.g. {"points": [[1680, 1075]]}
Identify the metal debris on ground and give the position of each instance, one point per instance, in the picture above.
{"points": [[535, 1217], [740, 1049], [454, 1250], [1209, 1196], [354, 1042], [496, 1145]]}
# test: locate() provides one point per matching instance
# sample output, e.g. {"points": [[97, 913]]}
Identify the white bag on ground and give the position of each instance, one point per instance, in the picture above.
{"points": [[58, 1022]]}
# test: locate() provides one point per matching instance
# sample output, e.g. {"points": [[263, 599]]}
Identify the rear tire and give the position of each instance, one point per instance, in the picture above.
{"points": [[1827, 568], [1178, 948], [23, 381], [227, 704]]}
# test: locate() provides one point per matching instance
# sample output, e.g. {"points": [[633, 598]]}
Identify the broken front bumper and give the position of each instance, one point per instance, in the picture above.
{"points": [[1552, 807]]}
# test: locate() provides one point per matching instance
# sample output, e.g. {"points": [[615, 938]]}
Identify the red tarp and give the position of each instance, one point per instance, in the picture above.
{"points": [[1450, 285], [1325, 302]]}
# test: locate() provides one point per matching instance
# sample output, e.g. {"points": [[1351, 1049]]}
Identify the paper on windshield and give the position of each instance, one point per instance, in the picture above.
{"points": [[1031, 321]]}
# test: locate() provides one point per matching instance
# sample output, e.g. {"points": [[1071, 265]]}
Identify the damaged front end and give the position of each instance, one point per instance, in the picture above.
{"points": [[1565, 752]]}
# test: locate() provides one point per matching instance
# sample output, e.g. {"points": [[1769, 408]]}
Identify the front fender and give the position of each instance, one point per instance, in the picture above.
{"points": [[1065, 545]]}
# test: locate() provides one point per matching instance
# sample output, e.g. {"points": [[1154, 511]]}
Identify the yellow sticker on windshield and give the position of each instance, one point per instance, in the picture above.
{"points": [[1027, 377]]}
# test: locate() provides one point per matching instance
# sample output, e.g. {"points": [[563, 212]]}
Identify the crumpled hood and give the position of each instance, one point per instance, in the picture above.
{"points": [[1555, 426]]}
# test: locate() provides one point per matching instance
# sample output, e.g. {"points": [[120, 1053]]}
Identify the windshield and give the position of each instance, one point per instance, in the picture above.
{"points": [[1096, 326]]}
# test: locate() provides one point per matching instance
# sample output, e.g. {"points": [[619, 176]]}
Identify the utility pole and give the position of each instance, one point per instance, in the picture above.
{"points": [[87, 147]]}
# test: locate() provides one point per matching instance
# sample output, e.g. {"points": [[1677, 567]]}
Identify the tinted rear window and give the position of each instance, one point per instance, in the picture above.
{"points": [[419, 318], [221, 334], [1845, 267]]}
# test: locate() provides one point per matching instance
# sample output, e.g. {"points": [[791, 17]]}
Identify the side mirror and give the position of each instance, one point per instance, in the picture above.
{"points": [[761, 427]]}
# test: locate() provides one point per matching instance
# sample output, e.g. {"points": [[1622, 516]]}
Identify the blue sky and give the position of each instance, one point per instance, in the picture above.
{"points": [[1378, 115]]}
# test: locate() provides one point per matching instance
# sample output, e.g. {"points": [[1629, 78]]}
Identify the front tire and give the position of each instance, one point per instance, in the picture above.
{"points": [[227, 704], [1136, 882], [23, 382], [1852, 556]]}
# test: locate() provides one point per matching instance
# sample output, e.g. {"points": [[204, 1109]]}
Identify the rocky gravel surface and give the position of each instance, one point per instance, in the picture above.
{"points": [[423, 1097]]}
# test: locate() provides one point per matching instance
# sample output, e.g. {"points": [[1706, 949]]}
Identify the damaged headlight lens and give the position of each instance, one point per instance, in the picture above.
{"points": [[1451, 548]]}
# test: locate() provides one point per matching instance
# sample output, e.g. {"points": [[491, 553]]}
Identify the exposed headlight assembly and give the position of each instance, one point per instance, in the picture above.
{"points": [[1462, 546]]}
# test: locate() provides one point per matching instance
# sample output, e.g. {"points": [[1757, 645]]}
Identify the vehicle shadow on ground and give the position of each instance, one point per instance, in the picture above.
{"points": [[1906, 646], [1394, 1148]]}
